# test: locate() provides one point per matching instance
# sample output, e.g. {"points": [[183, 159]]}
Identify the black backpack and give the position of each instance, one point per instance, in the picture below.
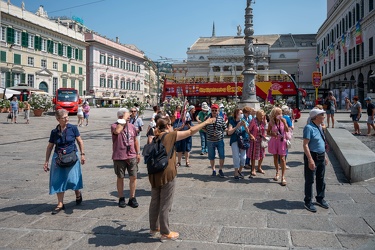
{"points": [[155, 155]]}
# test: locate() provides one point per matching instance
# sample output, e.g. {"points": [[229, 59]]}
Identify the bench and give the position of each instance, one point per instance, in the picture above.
{"points": [[355, 158]]}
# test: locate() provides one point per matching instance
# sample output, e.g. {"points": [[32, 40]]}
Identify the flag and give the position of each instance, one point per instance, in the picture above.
{"points": [[331, 52], [317, 62], [343, 43], [358, 33], [348, 40]]}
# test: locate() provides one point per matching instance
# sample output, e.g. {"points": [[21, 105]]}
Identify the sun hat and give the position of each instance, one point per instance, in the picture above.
{"points": [[191, 107], [221, 105], [314, 112], [205, 107]]}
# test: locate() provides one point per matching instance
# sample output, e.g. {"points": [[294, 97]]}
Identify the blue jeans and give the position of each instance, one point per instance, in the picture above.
{"points": [[319, 172], [215, 145], [203, 136]]}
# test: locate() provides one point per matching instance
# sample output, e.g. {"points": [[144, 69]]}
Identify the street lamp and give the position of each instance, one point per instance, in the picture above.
{"points": [[235, 80]]}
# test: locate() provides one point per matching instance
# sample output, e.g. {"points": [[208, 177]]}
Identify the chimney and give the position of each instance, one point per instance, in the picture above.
{"points": [[117, 39]]}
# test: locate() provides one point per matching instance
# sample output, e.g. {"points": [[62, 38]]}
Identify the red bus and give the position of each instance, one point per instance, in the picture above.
{"points": [[278, 82], [67, 98]]}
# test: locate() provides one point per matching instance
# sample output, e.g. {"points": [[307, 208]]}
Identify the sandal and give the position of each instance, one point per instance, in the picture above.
{"points": [[79, 199], [253, 174], [58, 209], [178, 164], [260, 171], [188, 165], [276, 178], [283, 182]]}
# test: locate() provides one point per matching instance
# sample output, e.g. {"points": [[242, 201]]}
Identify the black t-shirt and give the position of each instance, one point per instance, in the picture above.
{"points": [[370, 107]]}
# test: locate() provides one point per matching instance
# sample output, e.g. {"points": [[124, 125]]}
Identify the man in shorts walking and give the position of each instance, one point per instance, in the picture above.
{"points": [[125, 155]]}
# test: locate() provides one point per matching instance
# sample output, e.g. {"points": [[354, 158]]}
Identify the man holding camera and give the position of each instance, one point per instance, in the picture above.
{"points": [[125, 155]]}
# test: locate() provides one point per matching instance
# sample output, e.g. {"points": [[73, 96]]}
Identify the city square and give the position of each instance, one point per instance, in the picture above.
{"points": [[209, 212]]}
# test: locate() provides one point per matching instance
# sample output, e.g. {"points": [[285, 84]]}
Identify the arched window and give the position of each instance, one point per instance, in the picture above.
{"points": [[43, 86]]}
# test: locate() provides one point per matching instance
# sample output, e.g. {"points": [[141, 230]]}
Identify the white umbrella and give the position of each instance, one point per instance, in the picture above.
{"points": [[8, 93]]}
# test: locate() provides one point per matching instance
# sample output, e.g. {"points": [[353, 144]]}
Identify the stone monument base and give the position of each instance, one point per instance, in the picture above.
{"points": [[252, 104]]}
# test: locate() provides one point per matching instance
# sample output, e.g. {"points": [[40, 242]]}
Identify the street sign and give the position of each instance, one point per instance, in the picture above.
{"points": [[316, 79]]}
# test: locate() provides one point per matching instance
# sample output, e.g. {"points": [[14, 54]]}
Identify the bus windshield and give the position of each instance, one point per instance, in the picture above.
{"points": [[67, 96]]}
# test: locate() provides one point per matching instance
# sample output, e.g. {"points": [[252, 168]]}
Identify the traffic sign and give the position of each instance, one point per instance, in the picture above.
{"points": [[316, 79]]}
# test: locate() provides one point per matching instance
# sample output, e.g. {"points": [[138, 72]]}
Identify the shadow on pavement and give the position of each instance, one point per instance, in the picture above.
{"points": [[279, 206]]}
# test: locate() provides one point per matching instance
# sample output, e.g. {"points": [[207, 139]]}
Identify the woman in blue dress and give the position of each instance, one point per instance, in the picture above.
{"points": [[62, 140]]}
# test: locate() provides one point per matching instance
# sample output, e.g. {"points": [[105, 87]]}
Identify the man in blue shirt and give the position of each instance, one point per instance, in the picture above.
{"points": [[315, 160]]}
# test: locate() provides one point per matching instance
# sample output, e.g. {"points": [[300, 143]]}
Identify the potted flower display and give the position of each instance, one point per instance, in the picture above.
{"points": [[133, 102], [40, 103], [170, 106], [229, 107]]}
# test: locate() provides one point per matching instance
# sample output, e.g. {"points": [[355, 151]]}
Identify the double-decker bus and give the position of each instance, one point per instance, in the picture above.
{"points": [[278, 83], [67, 98]]}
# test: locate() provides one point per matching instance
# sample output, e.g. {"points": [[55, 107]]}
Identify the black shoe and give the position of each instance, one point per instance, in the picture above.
{"points": [[240, 174], [310, 207], [79, 199], [202, 153], [121, 202], [133, 202], [322, 203], [58, 209], [221, 174]]}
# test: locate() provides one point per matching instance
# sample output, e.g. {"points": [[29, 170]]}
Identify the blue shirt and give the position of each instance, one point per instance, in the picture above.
{"points": [[241, 131], [314, 134], [14, 105], [65, 140], [288, 120]]}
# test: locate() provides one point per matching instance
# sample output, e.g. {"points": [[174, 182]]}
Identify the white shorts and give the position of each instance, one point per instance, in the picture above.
{"points": [[370, 120]]}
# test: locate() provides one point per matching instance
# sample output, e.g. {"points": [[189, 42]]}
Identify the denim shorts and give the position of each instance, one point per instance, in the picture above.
{"points": [[212, 146], [330, 111], [355, 117]]}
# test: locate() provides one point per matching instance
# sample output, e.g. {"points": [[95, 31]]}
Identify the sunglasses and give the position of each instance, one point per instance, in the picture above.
{"points": [[213, 110], [133, 111]]}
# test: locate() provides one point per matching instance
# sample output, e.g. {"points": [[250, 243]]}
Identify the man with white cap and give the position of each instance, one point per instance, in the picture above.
{"points": [[370, 113], [315, 159]]}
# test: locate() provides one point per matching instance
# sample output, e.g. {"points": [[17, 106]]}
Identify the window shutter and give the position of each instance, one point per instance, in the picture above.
{"points": [[80, 55], [38, 43], [17, 59], [50, 46], [3, 56], [7, 79], [76, 54], [25, 39], [23, 78], [60, 49], [80, 70], [65, 68], [10, 35], [69, 52]]}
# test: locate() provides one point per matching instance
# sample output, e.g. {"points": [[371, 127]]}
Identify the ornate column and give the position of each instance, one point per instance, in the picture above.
{"points": [[249, 89]]}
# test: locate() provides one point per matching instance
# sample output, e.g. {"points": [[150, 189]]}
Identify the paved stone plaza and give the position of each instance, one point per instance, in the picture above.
{"points": [[208, 212]]}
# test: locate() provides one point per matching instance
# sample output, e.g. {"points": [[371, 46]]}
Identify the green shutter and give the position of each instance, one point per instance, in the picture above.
{"points": [[17, 59], [80, 87], [7, 79], [23, 78], [104, 82], [64, 83], [10, 35], [3, 57], [73, 69], [50, 46], [38, 43], [76, 53], [80, 70], [80, 55], [69, 52], [65, 68], [60, 49], [25, 39], [73, 83]]}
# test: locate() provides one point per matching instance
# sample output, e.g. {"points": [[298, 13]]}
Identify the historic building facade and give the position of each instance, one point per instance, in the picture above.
{"points": [[221, 59], [39, 52], [115, 71], [345, 49]]}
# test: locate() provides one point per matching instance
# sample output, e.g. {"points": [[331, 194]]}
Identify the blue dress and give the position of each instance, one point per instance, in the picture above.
{"points": [[62, 179]]}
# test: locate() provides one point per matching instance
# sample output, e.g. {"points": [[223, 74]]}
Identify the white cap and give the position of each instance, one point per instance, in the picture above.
{"points": [[315, 112], [221, 105]]}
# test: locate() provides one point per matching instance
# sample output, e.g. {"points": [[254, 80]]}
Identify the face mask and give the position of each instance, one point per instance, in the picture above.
{"points": [[241, 116]]}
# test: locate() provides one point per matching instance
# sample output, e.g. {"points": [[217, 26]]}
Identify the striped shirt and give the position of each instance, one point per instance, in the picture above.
{"points": [[215, 131]]}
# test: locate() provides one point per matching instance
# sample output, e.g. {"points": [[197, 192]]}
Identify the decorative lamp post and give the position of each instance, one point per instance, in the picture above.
{"points": [[249, 90]]}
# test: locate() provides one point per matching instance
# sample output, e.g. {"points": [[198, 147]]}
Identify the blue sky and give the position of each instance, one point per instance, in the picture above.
{"points": [[166, 28]]}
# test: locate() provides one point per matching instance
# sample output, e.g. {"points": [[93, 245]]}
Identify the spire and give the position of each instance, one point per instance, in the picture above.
{"points": [[213, 29]]}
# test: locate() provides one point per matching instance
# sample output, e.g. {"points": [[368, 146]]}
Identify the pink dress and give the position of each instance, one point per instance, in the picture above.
{"points": [[256, 152], [275, 145]]}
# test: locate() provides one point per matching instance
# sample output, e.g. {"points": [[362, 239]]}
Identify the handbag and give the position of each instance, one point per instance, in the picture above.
{"points": [[10, 115], [288, 143], [66, 160], [264, 142], [243, 143]]}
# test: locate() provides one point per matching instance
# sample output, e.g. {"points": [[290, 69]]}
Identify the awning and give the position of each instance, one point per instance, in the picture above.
{"points": [[8, 93]]}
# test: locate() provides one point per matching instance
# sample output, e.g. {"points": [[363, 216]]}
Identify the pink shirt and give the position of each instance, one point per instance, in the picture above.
{"points": [[120, 142]]}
